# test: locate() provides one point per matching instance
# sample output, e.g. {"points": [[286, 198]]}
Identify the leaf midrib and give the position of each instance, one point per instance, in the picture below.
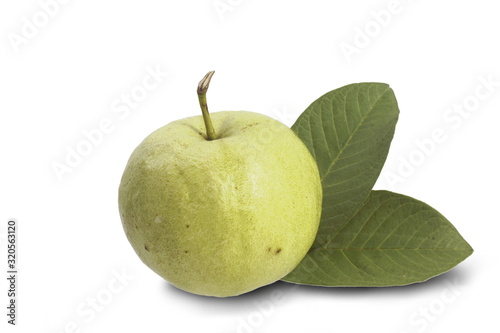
{"points": [[363, 119]]}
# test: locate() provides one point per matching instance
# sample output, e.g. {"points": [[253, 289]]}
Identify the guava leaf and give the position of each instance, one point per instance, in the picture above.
{"points": [[348, 131], [391, 240]]}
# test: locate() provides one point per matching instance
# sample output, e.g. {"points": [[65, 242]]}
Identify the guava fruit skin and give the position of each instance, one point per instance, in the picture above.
{"points": [[221, 217]]}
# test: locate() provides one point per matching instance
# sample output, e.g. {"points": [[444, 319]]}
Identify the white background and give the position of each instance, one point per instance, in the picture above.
{"points": [[69, 73]]}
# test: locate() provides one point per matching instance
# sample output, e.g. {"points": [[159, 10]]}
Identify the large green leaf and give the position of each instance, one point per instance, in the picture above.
{"points": [[348, 131], [391, 240]]}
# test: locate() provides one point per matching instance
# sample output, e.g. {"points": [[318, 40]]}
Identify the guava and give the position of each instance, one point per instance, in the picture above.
{"points": [[221, 204]]}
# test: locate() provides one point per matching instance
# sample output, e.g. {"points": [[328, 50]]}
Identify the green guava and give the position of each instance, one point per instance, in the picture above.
{"points": [[225, 215]]}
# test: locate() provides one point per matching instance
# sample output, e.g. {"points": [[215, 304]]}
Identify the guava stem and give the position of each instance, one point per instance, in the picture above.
{"points": [[202, 97]]}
